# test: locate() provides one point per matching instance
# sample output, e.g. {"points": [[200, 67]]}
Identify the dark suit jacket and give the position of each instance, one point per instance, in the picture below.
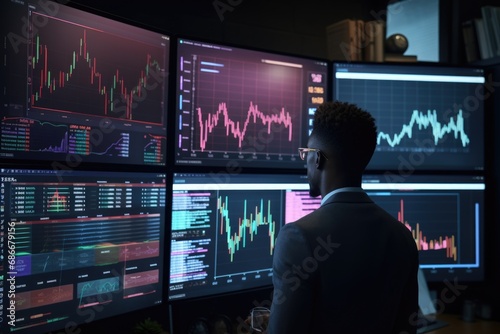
{"points": [[348, 267]]}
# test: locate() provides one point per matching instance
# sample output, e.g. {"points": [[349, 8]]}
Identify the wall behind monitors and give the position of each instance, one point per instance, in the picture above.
{"points": [[224, 226], [78, 246], [242, 106], [81, 87], [429, 117]]}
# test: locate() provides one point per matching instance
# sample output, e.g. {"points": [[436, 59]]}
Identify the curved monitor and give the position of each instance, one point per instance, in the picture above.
{"points": [[239, 107], [78, 246], [81, 88], [429, 116]]}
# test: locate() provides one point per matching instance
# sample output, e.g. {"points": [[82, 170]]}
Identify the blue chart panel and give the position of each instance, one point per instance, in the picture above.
{"points": [[429, 121]]}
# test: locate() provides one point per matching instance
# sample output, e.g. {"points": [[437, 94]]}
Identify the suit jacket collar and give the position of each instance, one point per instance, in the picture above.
{"points": [[348, 197], [338, 190]]}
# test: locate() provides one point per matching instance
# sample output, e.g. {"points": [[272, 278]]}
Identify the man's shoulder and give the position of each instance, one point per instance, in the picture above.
{"points": [[310, 217]]}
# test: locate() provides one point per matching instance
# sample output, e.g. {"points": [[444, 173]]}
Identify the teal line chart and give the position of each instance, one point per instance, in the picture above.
{"points": [[247, 225], [95, 288], [419, 116], [420, 121]]}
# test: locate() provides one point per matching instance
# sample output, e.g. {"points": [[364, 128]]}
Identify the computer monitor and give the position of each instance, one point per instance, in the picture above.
{"points": [[78, 246], [430, 117], [224, 227], [445, 214], [240, 107], [81, 88]]}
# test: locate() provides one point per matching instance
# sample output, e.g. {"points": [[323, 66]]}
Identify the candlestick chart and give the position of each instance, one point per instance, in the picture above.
{"points": [[436, 223], [248, 224], [445, 243], [89, 88], [94, 73]]}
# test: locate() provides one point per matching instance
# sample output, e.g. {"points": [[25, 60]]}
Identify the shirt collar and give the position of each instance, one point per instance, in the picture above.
{"points": [[339, 190]]}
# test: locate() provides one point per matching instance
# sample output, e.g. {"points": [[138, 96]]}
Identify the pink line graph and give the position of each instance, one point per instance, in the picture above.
{"points": [[238, 129]]}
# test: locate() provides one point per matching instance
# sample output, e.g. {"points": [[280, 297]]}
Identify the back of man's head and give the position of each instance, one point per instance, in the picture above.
{"points": [[348, 134]]}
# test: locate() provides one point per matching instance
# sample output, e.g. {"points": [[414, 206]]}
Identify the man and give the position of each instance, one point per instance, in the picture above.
{"points": [[349, 266]]}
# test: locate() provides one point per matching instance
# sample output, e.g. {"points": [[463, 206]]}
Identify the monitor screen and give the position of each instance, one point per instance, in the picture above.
{"points": [[81, 88], [78, 246], [445, 215], [429, 116], [224, 226], [244, 108]]}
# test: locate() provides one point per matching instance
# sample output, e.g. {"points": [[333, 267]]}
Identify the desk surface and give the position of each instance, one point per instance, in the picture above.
{"points": [[457, 326]]}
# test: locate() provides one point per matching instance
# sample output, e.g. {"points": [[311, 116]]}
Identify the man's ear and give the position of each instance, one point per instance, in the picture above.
{"points": [[319, 159]]}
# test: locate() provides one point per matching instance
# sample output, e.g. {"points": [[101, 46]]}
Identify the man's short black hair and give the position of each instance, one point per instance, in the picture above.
{"points": [[347, 132]]}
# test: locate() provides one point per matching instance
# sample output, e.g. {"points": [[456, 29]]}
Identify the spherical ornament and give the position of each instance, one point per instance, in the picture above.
{"points": [[396, 43]]}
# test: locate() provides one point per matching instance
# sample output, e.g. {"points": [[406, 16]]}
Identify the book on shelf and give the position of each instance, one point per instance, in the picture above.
{"points": [[374, 41], [491, 18], [482, 41], [345, 40], [481, 35], [470, 41]]}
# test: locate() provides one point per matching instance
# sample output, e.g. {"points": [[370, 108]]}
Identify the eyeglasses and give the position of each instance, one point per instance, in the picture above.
{"points": [[259, 318], [304, 150]]}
